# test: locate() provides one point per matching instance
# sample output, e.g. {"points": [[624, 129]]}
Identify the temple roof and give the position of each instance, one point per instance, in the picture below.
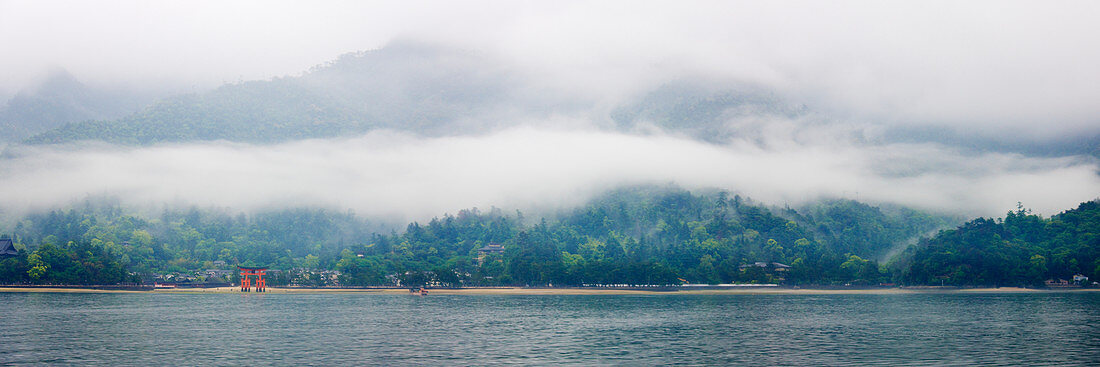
{"points": [[7, 248]]}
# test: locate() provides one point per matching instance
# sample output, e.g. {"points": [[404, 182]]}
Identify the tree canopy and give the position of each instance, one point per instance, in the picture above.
{"points": [[630, 236]]}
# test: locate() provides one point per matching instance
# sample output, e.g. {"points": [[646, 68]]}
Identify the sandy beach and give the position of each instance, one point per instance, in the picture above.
{"points": [[564, 291]]}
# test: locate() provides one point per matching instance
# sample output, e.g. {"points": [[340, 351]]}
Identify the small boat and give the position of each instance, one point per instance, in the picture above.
{"points": [[418, 291]]}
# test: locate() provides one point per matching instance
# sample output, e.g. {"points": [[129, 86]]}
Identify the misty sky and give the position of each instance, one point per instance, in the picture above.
{"points": [[982, 64], [1023, 70]]}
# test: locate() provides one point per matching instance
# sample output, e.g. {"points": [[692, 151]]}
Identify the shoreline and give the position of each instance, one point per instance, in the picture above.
{"points": [[559, 291]]}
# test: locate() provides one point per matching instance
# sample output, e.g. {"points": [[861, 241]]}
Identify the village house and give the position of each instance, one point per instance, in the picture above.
{"points": [[219, 274], [1057, 283], [312, 277], [1080, 279]]}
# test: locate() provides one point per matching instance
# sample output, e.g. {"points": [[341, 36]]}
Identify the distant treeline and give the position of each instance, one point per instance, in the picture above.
{"points": [[631, 236]]}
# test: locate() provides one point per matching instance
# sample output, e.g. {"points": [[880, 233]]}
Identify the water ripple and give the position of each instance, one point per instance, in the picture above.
{"points": [[358, 329]]}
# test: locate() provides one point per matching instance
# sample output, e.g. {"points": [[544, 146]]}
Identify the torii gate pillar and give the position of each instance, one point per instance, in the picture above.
{"points": [[246, 283]]}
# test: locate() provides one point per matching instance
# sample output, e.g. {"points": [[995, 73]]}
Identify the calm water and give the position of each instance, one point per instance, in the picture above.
{"points": [[358, 329]]}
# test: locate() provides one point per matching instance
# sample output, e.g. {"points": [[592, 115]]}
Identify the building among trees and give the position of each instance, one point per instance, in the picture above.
{"points": [[490, 249], [7, 248]]}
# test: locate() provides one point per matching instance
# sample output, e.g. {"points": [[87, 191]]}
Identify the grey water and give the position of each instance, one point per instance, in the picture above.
{"points": [[376, 329]]}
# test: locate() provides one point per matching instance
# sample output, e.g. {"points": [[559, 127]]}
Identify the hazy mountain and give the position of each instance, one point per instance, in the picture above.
{"points": [[407, 87], [430, 90], [416, 88], [1082, 144], [703, 110], [62, 99]]}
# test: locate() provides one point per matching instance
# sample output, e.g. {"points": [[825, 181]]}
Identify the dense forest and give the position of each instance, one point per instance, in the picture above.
{"points": [[1020, 249], [635, 236]]}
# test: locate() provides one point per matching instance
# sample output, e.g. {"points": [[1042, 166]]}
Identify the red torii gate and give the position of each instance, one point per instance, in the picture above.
{"points": [[246, 283]]}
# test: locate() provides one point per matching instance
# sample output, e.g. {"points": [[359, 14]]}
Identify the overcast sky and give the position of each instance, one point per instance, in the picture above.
{"points": [[992, 68], [1027, 65]]}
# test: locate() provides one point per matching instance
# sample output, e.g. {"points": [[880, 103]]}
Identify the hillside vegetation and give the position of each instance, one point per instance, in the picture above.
{"points": [[642, 235], [1020, 249]]}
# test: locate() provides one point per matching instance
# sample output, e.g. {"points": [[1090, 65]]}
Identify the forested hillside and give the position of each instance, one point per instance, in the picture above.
{"points": [[641, 235], [1020, 249]]}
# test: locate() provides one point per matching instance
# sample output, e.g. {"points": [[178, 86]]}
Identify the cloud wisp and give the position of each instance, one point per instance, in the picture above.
{"points": [[395, 176]]}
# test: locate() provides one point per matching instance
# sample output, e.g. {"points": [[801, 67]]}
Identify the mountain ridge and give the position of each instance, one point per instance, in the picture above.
{"points": [[61, 99]]}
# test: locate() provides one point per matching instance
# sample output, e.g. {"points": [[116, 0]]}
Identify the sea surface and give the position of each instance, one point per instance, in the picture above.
{"points": [[1018, 329]]}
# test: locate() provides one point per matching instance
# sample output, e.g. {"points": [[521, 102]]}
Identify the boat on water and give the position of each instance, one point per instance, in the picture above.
{"points": [[418, 291]]}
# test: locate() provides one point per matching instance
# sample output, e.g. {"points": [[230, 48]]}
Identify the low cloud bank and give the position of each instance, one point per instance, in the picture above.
{"points": [[396, 176]]}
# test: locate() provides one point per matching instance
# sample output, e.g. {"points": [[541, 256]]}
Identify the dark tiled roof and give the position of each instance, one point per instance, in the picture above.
{"points": [[7, 248]]}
